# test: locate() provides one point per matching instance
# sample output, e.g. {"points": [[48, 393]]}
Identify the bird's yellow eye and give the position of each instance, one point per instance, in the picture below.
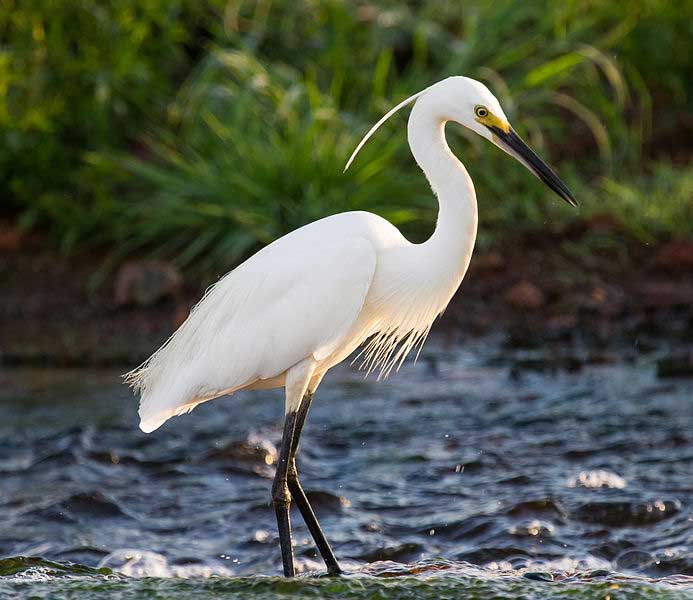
{"points": [[481, 111]]}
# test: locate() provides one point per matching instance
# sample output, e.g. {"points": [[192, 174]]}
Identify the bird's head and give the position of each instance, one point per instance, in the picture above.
{"points": [[471, 104]]}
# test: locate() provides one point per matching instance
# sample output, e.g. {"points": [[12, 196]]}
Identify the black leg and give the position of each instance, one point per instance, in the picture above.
{"points": [[299, 496], [281, 498]]}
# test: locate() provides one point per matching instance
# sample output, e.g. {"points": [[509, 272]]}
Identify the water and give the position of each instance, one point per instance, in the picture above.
{"points": [[474, 473]]}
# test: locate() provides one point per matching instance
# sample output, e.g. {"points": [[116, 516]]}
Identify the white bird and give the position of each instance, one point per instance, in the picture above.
{"points": [[307, 301]]}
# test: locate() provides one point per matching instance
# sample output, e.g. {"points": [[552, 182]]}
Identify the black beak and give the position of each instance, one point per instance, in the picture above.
{"points": [[516, 146]]}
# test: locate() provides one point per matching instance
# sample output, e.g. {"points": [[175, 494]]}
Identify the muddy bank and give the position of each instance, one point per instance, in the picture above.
{"points": [[591, 286]]}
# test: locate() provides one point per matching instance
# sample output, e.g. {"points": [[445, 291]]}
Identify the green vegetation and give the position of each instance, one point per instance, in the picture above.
{"points": [[199, 130], [59, 586]]}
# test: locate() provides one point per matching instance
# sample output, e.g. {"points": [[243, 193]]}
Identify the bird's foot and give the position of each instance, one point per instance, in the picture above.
{"points": [[331, 574]]}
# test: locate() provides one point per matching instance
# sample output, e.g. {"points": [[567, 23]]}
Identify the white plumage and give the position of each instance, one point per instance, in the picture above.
{"points": [[307, 301], [296, 298]]}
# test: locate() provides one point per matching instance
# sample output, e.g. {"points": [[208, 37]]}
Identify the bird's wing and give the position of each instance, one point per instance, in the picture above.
{"points": [[307, 303], [276, 309]]}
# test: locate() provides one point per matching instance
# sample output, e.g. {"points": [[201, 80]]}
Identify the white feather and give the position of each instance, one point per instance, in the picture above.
{"points": [[308, 300], [375, 127], [296, 298]]}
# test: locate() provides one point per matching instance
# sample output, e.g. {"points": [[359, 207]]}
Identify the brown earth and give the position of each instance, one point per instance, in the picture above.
{"points": [[591, 289]]}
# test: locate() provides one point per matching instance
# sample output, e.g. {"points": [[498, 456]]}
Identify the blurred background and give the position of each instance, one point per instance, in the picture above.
{"points": [[148, 146], [197, 131]]}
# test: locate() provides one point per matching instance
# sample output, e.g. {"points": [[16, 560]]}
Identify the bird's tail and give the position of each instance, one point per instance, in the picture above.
{"points": [[181, 374], [139, 380], [158, 403], [164, 397]]}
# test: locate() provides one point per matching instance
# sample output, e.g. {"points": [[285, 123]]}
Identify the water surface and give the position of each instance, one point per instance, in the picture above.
{"points": [[473, 472]]}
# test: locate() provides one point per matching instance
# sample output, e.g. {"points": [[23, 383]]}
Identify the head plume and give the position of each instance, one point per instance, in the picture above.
{"points": [[375, 127]]}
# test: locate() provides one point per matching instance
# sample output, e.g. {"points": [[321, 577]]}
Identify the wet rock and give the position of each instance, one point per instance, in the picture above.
{"points": [[18, 564], [325, 502], [79, 508], [402, 553], [94, 505], [254, 456], [596, 573], [482, 556], [525, 295], [627, 514], [538, 575], [544, 506], [677, 255], [254, 450], [143, 283]]}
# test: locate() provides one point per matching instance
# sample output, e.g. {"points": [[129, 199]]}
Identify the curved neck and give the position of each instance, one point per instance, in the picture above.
{"points": [[455, 231]]}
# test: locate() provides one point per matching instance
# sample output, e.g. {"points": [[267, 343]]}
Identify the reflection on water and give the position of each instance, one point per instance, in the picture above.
{"points": [[463, 456]]}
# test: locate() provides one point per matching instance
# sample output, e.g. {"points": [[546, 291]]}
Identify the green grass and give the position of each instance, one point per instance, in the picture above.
{"points": [[256, 154], [201, 131], [653, 205]]}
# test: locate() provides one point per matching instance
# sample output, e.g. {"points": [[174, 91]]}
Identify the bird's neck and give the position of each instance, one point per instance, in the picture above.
{"points": [[455, 232]]}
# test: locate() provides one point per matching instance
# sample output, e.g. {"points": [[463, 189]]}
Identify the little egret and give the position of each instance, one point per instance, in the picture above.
{"points": [[304, 303]]}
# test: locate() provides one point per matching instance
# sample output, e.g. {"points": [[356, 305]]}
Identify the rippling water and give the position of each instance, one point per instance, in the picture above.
{"points": [[467, 471]]}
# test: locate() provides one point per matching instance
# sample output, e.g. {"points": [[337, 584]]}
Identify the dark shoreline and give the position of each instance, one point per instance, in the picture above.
{"points": [[590, 287]]}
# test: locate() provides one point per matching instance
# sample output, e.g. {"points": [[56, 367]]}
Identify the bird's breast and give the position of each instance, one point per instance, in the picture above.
{"points": [[404, 299]]}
